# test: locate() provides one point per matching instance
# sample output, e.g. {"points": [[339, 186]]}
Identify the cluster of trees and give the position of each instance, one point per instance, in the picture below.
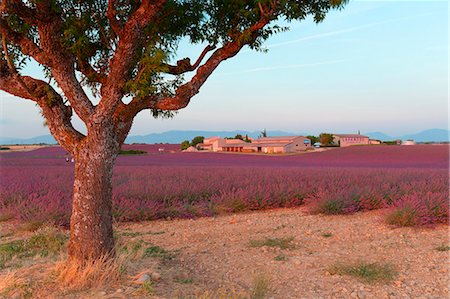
{"points": [[196, 140], [239, 136], [326, 139]]}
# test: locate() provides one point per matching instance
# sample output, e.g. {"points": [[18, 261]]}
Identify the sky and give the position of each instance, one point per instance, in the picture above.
{"points": [[374, 66]]}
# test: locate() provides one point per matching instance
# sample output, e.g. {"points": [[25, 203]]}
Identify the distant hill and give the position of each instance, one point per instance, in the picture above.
{"points": [[436, 135], [46, 139], [432, 135], [179, 136], [379, 136]]}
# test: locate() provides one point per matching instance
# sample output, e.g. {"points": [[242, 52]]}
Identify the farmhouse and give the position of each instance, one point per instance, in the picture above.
{"points": [[282, 144], [269, 145], [344, 140], [408, 142]]}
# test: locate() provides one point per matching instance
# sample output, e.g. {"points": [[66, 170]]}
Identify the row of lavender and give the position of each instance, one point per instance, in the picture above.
{"points": [[418, 196]]}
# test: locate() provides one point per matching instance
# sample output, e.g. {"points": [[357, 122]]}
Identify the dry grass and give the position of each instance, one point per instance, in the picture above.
{"points": [[44, 242], [91, 274], [282, 243], [405, 216], [9, 282], [261, 286], [443, 247]]}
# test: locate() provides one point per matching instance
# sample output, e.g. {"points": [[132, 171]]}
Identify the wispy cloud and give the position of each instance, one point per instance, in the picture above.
{"points": [[336, 32], [286, 67]]}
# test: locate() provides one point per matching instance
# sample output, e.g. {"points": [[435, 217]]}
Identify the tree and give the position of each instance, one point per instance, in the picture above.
{"points": [[326, 139], [185, 144], [313, 139], [196, 140], [124, 52], [263, 133]]}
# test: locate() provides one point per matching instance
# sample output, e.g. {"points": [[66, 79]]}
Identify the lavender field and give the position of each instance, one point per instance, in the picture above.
{"points": [[410, 181]]}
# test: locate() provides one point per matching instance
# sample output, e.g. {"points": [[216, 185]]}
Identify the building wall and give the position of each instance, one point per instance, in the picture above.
{"points": [[298, 145], [273, 149], [348, 141]]}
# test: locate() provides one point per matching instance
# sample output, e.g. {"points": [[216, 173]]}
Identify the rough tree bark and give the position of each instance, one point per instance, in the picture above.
{"points": [[91, 232]]}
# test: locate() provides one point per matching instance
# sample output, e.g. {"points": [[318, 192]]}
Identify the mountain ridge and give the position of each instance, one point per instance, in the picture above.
{"points": [[177, 136]]}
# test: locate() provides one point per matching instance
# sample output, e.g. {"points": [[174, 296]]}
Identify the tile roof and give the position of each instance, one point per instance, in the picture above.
{"points": [[351, 135]]}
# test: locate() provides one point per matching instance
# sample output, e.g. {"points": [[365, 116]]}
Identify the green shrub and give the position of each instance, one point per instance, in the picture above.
{"points": [[132, 152], [44, 242], [282, 243], [368, 272], [405, 216]]}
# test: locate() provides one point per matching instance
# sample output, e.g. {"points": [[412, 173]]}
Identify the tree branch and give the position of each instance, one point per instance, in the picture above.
{"points": [[86, 69], [111, 14], [18, 8], [121, 62], [63, 69], [58, 115], [51, 51], [184, 65], [27, 46], [11, 66], [185, 92]]}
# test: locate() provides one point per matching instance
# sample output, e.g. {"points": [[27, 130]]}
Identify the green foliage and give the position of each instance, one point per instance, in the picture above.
{"points": [[146, 76], [185, 144], [85, 33], [196, 140], [313, 139], [281, 258], [158, 252], [405, 216], [282, 243], [184, 280], [394, 142], [44, 242], [132, 152], [368, 272], [239, 136], [148, 288], [326, 139], [331, 207]]}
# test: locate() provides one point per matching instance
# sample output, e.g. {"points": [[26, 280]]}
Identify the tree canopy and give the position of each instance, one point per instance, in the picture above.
{"points": [[128, 49]]}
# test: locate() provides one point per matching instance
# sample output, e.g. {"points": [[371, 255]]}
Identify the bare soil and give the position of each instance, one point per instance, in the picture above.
{"points": [[213, 257], [22, 148]]}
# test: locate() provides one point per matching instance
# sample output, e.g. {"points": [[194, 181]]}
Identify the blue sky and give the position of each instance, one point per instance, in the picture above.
{"points": [[374, 66]]}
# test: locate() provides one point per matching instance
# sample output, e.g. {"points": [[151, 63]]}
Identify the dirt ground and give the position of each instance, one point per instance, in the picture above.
{"points": [[21, 148], [214, 257]]}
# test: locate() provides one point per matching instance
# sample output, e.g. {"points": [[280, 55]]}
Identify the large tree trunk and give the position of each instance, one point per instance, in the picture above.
{"points": [[91, 232]]}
